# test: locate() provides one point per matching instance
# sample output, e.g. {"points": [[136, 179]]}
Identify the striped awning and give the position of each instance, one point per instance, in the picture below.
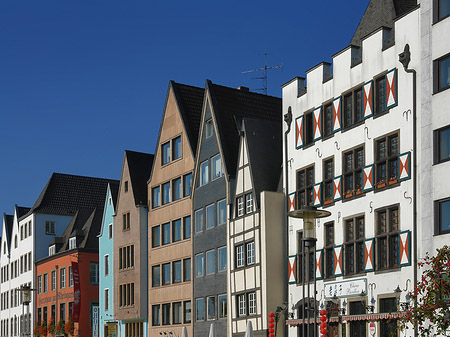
{"points": [[349, 318], [311, 321]]}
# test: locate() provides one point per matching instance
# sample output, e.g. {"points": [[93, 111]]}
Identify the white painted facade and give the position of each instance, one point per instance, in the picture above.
{"points": [[379, 58]]}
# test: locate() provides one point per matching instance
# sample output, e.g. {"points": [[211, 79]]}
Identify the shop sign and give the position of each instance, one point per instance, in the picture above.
{"points": [[346, 288]]}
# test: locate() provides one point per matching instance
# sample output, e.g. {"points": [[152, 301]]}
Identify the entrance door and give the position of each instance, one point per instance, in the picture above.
{"points": [[333, 330]]}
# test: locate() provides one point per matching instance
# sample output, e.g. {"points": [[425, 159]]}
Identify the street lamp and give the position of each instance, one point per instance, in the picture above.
{"points": [[309, 214], [26, 290]]}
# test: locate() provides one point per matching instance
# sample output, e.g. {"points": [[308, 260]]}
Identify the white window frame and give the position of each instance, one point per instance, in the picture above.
{"points": [[73, 243], [251, 303], [62, 278], [240, 205], [249, 203], [51, 250], [250, 252], [209, 128], [216, 174], [208, 259], [210, 208], [39, 278], [53, 280], [242, 309], [240, 256], [204, 173]]}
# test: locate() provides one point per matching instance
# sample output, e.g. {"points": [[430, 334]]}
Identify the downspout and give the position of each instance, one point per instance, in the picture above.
{"points": [[288, 121], [404, 58]]}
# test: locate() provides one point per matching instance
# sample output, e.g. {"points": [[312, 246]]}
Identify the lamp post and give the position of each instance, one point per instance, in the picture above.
{"points": [[309, 214], [26, 290]]}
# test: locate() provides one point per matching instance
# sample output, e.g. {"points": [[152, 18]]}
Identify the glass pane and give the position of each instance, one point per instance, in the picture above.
{"points": [[217, 167], [382, 224], [176, 271], [165, 314], [200, 309], [444, 144], [166, 273], [187, 227], [222, 209], [176, 186], [155, 315], [165, 153], [166, 233], [199, 265], [359, 158], [186, 270], [187, 312], [222, 258], [155, 197], [155, 236], [359, 104], [444, 8], [176, 228], [210, 216], [211, 308], [445, 216], [176, 143], [222, 306], [348, 120], [204, 173], [210, 262], [250, 253], [444, 73], [176, 308], [199, 221], [350, 230], [187, 184], [165, 193], [348, 162], [310, 176], [156, 277]]}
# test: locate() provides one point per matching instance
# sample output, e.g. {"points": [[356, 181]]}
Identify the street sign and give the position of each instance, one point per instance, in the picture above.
{"points": [[95, 321], [372, 328]]}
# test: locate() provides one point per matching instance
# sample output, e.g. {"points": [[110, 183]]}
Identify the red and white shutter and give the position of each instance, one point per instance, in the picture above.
{"points": [[391, 89], [291, 201], [337, 114], [369, 255], [368, 178], [404, 165], [299, 132], [368, 99], [405, 248], [319, 264], [337, 190], [317, 115], [317, 191], [338, 271], [292, 270]]}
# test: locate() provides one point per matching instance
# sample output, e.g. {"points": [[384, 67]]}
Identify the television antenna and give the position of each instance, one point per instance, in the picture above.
{"points": [[264, 76]]}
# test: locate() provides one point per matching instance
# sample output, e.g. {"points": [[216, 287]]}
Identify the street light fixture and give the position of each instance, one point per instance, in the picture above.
{"points": [[26, 290], [309, 214]]}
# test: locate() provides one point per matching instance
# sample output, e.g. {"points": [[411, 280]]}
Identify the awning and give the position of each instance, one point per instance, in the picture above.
{"points": [[311, 321], [348, 318]]}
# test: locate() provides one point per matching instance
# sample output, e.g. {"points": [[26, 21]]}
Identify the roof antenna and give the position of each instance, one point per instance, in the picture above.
{"points": [[264, 77]]}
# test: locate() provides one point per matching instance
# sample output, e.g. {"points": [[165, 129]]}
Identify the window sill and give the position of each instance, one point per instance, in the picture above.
{"points": [[440, 20], [386, 186], [379, 114], [353, 196], [328, 137], [388, 270], [355, 125], [439, 90]]}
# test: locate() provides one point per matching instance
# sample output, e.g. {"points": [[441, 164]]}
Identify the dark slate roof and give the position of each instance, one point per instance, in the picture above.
{"points": [[264, 143], [140, 166], [230, 106], [380, 13], [65, 194], [190, 103], [21, 211], [9, 221], [114, 193]]}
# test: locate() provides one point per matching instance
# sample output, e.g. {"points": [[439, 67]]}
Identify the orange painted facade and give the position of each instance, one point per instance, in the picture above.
{"points": [[59, 299]]}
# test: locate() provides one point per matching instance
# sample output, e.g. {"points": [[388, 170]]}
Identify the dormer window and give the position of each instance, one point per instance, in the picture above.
{"points": [[73, 243], [51, 250]]}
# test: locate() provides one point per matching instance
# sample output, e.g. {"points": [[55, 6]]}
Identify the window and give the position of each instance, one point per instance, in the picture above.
{"points": [[358, 328], [242, 305], [199, 263], [380, 96], [187, 311], [305, 183], [387, 227], [211, 301], [210, 262], [240, 256], [166, 314], [199, 220], [209, 128], [200, 309], [156, 191], [125, 186], [70, 276], [45, 283], [165, 149], [441, 73], [62, 278], [222, 306], [105, 299], [187, 185], [93, 272], [250, 252], [176, 148], [166, 274], [222, 258], [353, 110], [186, 227], [204, 173], [353, 174], [210, 216], [126, 221], [442, 216], [222, 212], [354, 245], [29, 228], [156, 311], [72, 243], [176, 313], [251, 303], [388, 327], [106, 257], [240, 206], [327, 126], [217, 170], [49, 227], [126, 257], [442, 145], [21, 233], [249, 203], [51, 250], [186, 270], [126, 295], [39, 289], [176, 230], [156, 276], [166, 193], [156, 235], [329, 250], [386, 160], [53, 275], [110, 231], [308, 126], [176, 266], [176, 189], [328, 175], [165, 233]]}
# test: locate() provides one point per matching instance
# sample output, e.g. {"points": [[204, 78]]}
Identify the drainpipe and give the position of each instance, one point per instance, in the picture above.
{"points": [[404, 58], [288, 121]]}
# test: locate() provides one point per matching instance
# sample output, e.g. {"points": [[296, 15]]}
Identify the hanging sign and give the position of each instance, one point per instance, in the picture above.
{"points": [[346, 288]]}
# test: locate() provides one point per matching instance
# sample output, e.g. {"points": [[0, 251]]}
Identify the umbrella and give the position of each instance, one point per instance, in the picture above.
{"points": [[212, 331], [184, 332], [249, 331]]}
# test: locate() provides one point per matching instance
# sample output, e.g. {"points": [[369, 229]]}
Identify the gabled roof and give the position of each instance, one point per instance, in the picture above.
{"points": [[21, 211], [8, 221], [380, 13], [114, 188], [139, 165], [65, 194], [230, 106], [190, 102], [264, 144]]}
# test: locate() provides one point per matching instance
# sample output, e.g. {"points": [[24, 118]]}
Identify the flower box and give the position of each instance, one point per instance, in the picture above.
{"points": [[348, 194], [393, 181], [358, 192], [381, 184], [328, 201]]}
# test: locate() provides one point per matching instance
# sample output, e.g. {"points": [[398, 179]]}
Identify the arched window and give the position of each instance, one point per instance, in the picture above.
{"points": [[15, 241]]}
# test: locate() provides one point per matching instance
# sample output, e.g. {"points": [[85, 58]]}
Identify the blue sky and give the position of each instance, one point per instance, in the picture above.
{"points": [[82, 81]]}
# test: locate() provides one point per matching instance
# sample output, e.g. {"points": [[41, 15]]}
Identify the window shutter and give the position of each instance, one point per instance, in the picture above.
{"points": [[337, 114], [291, 206], [404, 164], [391, 89], [337, 259], [317, 194], [369, 255], [299, 132], [368, 178], [337, 188], [292, 270], [317, 116], [405, 248], [319, 264], [368, 99]]}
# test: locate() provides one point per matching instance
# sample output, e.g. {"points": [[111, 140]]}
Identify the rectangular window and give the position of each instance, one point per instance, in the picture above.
{"points": [[222, 306], [217, 170], [386, 160], [73, 243], [93, 272], [443, 9], [186, 270], [176, 148], [126, 221], [328, 175], [176, 313], [156, 192], [166, 314], [199, 220], [125, 186], [156, 314], [200, 309], [110, 231], [222, 258], [156, 236], [442, 145], [53, 275], [250, 252], [240, 206], [252, 303], [187, 311], [39, 289], [186, 227], [209, 128], [204, 173], [156, 276], [329, 250], [305, 183], [222, 212], [442, 216], [50, 227], [240, 256], [187, 185], [70, 276], [387, 229], [165, 193], [210, 216], [308, 126], [62, 278], [327, 126], [353, 163], [45, 283], [106, 257], [165, 149], [105, 299], [354, 245], [176, 230], [210, 262], [241, 302], [199, 264], [380, 95], [248, 203], [388, 327], [126, 257], [176, 266], [348, 111], [441, 73], [211, 308], [176, 189], [166, 274], [165, 233]]}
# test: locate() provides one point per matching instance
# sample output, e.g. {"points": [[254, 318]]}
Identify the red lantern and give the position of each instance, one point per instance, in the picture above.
{"points": [[271, 320], [271, 326], [271, 335], [323, 331], [271, 330], [323, 312], [271, 314], [323, 325], [323, 318]]}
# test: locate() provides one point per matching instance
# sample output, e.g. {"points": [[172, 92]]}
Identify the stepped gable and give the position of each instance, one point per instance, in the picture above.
{"points": [[190, 103], [230, 107], [264, 142], [380, 13], [140, 166]]}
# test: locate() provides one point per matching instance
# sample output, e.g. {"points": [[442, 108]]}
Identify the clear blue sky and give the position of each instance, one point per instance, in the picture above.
{"points": [[81, 81]]}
